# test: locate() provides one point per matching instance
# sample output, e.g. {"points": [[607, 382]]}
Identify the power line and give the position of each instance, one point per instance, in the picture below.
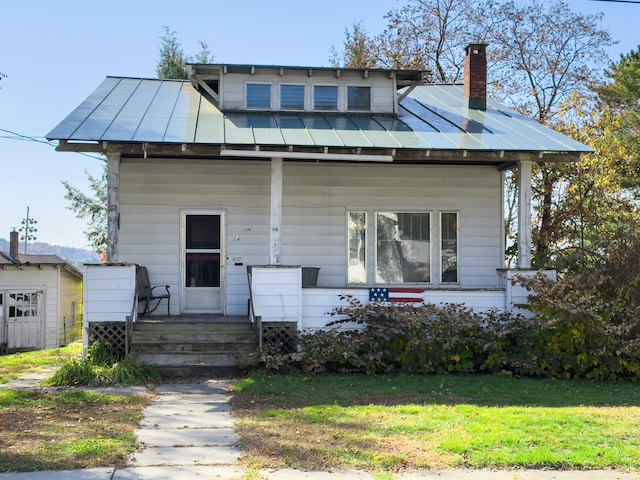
{"points": [[27, 138]]}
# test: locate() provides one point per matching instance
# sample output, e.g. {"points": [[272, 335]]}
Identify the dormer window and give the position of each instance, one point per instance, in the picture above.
{"points": [[359, 98], [273, 88], [259, 96], [291, 97], [325, 97]]}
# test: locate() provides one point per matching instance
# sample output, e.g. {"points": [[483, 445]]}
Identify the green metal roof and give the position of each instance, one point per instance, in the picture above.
{"points": [[432, 118]]}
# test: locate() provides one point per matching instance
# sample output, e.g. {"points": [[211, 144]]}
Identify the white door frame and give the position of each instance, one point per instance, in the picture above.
{"points": [[223, 259], [38, 320]]}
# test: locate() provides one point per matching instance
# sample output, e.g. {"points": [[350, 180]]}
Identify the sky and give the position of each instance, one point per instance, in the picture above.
{"points": [[55, 53]]}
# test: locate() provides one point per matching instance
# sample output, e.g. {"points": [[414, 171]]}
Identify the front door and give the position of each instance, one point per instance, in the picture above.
{"points": [[23, 319], [203, 262]]}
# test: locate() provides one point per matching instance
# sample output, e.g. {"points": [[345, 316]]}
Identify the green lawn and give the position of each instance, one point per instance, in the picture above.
{"points": [[19, 364], [387, 423]]}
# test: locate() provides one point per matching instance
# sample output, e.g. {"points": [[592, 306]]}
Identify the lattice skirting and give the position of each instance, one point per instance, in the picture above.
{"points": [[116, 335], [280, 337]]}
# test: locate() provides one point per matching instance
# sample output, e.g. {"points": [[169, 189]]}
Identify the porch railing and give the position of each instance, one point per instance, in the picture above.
{"points": [[256, 320]]}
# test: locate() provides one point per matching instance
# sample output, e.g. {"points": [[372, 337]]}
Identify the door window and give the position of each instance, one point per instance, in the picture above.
{"points": [[202, 251]]}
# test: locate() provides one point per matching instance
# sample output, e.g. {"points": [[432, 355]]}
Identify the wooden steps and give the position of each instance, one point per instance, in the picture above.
{"points": [[182, 346]]}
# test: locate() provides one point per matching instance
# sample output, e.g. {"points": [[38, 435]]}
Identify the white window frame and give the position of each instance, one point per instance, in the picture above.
{"points": [[338, 94], [364, 246], [246, 96], [442, 258], [436, 252], [346, 98], [304, 97]]}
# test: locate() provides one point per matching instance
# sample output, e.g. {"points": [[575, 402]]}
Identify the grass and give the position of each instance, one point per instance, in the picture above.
{"points": [[388, 423], [54, 430], [42, 430], [20, 364]]}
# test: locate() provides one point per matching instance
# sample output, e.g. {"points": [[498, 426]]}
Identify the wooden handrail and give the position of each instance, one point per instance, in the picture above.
{"points": [[255, 319]]}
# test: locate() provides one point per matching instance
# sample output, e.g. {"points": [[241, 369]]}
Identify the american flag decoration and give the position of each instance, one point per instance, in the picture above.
{"points": [[400, 294]]}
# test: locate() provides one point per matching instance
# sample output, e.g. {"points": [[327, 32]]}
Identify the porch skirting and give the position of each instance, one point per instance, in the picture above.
{"points": [[115, 335]]}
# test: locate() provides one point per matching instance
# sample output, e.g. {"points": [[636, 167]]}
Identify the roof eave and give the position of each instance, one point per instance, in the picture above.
{"points": [[292, 152]]}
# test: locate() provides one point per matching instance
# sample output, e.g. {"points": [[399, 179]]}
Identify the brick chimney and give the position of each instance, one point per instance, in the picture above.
{"points": [[475, 75], [13, 244]]}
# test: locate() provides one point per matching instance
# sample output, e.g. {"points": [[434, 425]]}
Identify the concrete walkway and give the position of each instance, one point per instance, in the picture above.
{"points": [[187, 433]]}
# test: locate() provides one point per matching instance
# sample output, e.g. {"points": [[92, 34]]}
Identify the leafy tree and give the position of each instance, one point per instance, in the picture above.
{"points": [[423, 34], [540, 52], [358, 49], [172, 63], [623, 91], [622, 96], [91, 208]]}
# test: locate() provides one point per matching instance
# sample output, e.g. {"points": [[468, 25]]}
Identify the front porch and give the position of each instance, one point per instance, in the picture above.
{"points": [[278, 307]]}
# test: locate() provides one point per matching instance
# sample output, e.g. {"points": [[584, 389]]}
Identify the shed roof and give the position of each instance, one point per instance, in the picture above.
{"points": [[433, 122], [36, 260]]}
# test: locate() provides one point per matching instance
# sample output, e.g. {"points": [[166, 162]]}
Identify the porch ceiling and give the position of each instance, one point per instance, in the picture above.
{"points": [[145, 117]]}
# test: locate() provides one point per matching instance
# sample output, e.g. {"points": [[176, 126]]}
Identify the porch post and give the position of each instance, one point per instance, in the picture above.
{"points": [[524, 214], [275, 231], [113, 205]]}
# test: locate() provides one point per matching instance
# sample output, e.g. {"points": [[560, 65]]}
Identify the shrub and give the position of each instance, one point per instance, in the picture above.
{"points": [[574, 334], [584, 333], [376, 338]]}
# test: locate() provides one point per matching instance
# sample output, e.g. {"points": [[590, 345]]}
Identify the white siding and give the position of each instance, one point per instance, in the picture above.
{"points": [[276, 293], [35, 278], [316, 197], [70, 327], [108, 293], [318, 303]]}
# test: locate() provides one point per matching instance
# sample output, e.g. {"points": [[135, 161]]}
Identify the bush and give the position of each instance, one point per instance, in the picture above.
{"points": [[584, 333], [574, 334], [99, 368]]}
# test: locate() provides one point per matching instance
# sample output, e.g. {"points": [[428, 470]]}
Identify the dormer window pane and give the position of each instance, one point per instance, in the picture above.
{"points": [[292, 97], [325, 97], [259, 96], [359, 98]]}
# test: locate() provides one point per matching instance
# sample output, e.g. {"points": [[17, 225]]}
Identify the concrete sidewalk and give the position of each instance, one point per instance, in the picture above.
{"points": [[187, 433]]}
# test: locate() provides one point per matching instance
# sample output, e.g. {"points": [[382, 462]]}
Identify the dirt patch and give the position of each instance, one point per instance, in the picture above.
{"points": [[43, 430]]}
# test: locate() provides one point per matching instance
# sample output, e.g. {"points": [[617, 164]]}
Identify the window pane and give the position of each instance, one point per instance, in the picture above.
{"points": [[359, 98], [203, 231], [259, 96], [292, 97], [449, 247], [357, 269], [203, 270], [23, 305], [325, 97], [403, 247]]}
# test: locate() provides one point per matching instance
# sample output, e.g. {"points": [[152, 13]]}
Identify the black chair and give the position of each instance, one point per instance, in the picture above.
{"points": [[146, 292]]}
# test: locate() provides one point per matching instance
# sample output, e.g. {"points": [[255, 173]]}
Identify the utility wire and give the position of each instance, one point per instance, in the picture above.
{"points": [[27, 138]]}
